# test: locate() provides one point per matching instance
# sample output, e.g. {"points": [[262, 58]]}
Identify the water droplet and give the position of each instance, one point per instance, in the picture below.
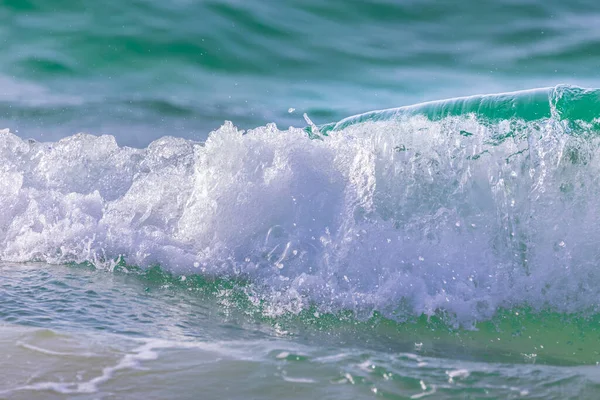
{"points": [[350, 378]]}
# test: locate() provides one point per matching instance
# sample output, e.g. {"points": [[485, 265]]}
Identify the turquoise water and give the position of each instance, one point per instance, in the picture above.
{"points": [[442, 247], [142, 69], [132, 334]]}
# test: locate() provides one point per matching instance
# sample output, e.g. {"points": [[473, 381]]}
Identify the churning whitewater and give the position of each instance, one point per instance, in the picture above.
{"points": [[396, 212]]}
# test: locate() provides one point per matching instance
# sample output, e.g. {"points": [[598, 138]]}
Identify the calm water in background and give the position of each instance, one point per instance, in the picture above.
{"points": [[412, 258], [143, 69]]}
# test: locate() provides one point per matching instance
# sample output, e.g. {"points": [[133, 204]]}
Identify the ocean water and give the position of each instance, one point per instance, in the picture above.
{"points": [[196, 200]]}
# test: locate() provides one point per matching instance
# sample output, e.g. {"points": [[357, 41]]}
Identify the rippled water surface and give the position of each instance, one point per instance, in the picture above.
{"points": [[143, 69]]}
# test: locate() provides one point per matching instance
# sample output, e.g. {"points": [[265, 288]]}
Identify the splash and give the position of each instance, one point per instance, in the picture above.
{"points": [[396, 212]]}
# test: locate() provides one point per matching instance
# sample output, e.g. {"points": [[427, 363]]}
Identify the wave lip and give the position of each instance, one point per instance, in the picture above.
{"points": [[562, 102], [398, 212]]}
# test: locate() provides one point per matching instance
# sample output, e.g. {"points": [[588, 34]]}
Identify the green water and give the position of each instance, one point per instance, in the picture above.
{"points": [[143, 69], [435, 249], [192, 337]]}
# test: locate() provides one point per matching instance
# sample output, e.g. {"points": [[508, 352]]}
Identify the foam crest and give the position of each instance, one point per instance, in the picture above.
{"points": [[402, 216]]}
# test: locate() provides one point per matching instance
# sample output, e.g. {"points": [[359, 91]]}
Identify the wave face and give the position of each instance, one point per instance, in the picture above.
{"points": [[405, 214]]}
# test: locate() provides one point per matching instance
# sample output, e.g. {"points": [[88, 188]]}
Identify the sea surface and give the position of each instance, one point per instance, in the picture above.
{"points": [[197, 200]]}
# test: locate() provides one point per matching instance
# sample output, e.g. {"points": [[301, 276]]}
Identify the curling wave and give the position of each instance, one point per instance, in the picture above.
{"points": [[462, 206]]}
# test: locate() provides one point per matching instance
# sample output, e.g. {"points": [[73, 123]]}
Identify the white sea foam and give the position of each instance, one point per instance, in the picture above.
{"points": [[412, 215], [147, 351]]}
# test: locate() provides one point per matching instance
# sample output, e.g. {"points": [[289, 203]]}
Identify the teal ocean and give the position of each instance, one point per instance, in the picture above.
{"points": [[140, 70], [197, 199]]}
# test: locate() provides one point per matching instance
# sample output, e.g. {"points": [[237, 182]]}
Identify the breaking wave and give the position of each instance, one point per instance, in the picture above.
{"points": [[461, 206]]}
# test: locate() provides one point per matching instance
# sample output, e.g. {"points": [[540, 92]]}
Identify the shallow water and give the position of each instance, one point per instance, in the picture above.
{"points": [[126, 335], [445, 249]]}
